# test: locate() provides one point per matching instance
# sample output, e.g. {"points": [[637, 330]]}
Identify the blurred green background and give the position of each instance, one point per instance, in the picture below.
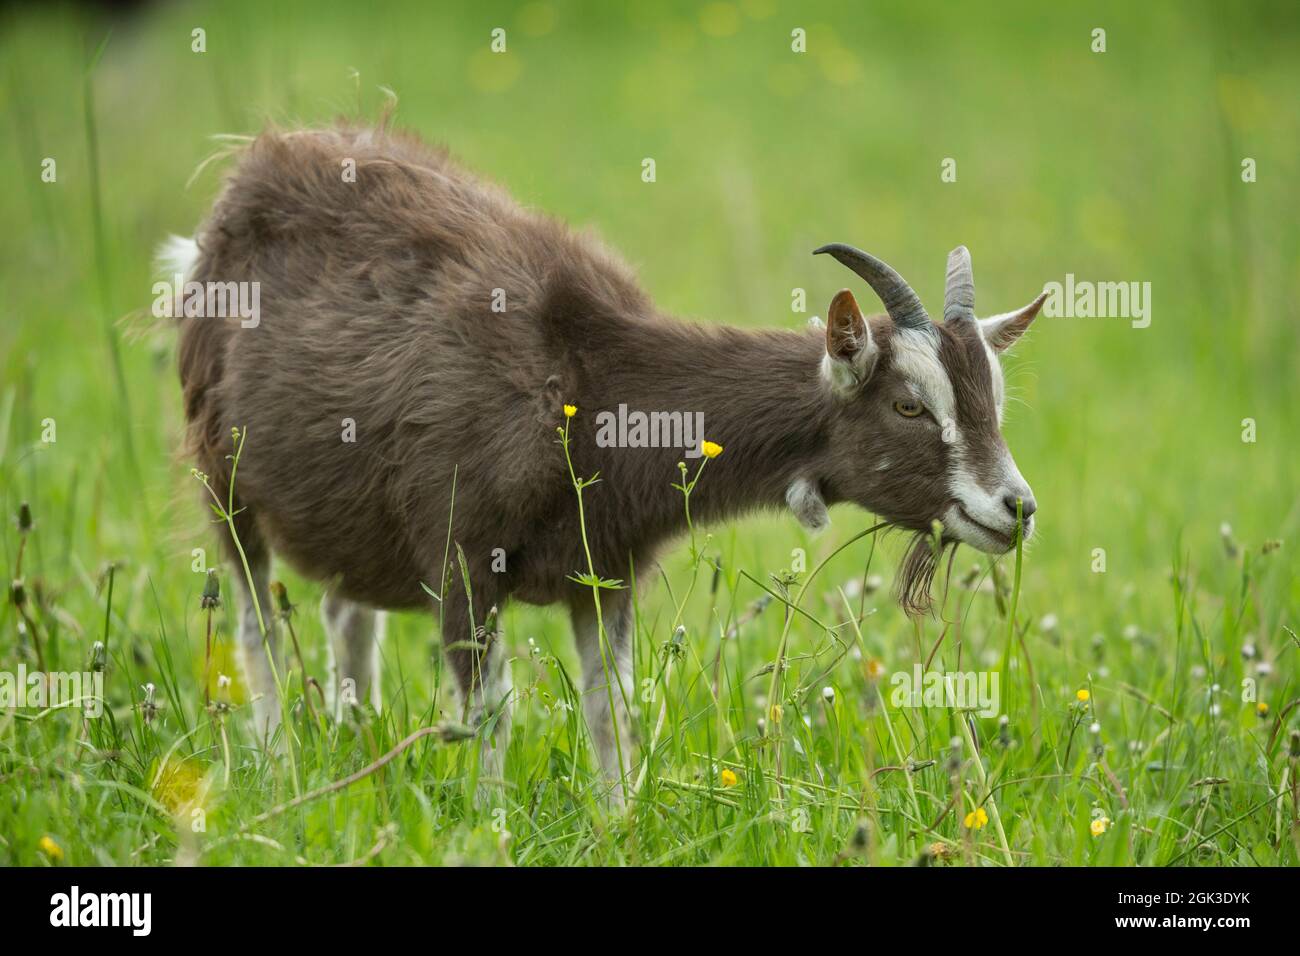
{"points": [[1117, 166]]}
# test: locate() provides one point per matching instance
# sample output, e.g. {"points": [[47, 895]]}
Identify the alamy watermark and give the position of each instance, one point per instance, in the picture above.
{"points": [[634, 429], [1083, 299], [42, 690], [957, 690], [208, 300], [133, 911]]}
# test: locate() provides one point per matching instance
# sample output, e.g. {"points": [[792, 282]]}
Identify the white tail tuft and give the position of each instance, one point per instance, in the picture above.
{"points": [[176, 255]]}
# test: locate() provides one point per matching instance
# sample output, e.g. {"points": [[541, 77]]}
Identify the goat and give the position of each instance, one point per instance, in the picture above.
{"points": [[449, 326]]}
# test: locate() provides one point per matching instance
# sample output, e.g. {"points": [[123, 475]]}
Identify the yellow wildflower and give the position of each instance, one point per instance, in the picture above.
{"points": [[1099, 826], [976, 819], [711, 449], [729, 778], [50, 848], [1082, 695], [570, 411], [1262, 709]]}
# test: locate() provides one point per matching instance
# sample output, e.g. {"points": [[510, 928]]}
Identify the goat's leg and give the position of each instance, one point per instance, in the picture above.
{"points": [[244, 545], [471, 634], [355, 631], [259, 644], [607, 680]]}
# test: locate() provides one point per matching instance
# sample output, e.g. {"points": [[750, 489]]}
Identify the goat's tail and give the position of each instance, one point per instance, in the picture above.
{"points": [[200, 357], [176, 256], [173, 262]]}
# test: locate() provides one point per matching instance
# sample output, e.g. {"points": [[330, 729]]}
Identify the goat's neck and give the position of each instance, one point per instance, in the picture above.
{"points": [[762, 399]]}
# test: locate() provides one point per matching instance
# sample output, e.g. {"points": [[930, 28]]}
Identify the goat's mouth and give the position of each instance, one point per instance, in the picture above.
{"points": [[970, 530]]}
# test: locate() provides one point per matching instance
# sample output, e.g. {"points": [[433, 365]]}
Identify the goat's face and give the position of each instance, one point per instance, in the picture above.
{"points": [[916, 435]]}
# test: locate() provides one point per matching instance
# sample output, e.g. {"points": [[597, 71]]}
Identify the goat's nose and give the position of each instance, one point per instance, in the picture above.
{"points": [[1027, 504]]}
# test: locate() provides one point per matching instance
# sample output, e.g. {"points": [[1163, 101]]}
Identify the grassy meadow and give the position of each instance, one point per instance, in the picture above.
{"points": [[1145, 642]]}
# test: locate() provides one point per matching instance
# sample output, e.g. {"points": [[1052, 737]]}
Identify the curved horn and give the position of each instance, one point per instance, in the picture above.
{"points": [[959, 289], [902, 304]]}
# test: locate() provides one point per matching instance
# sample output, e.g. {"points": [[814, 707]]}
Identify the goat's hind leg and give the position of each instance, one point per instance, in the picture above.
{"points": [[355, 631], [259, 642]]}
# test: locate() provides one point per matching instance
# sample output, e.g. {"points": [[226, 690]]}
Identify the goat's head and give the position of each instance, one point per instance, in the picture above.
{"points": [[916, 433]]}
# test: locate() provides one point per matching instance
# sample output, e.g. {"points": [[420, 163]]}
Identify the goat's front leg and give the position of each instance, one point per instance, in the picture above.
{"points": [[607, 680]]}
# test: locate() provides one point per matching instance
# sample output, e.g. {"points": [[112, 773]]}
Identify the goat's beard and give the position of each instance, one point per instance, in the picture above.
{"points": [[916, 573]]}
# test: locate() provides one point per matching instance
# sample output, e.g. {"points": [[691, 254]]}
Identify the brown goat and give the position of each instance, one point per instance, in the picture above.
{"points": [[419, 330]]}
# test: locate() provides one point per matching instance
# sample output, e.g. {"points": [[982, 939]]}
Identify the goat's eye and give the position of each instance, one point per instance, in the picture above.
{"points": [[908, 409]]}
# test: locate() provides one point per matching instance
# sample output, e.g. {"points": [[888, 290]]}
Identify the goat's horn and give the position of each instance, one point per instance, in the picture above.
{"points": [[959, 289], [902, 304]]}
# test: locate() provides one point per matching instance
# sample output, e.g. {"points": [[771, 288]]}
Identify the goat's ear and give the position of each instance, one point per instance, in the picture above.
{"points": [[850, 351], [1002, 331]]}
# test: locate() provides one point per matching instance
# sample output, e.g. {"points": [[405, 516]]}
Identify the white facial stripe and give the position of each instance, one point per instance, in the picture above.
{"points": [[995, 369], [984, 506], [916, 356]]}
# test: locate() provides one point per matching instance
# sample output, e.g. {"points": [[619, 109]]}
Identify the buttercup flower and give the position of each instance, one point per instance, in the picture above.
{"points": [[50, 848], [729, 778], [711, 449], [1099, 826], [570, 411], [976, 819], [1083, 695]]}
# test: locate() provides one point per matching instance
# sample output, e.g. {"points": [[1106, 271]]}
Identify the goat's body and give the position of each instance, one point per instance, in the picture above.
{"points": [[417, 338], [377, 323]]}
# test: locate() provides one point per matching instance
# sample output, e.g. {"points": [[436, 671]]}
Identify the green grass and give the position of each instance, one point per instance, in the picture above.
{"points": [[1124, 165]]}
